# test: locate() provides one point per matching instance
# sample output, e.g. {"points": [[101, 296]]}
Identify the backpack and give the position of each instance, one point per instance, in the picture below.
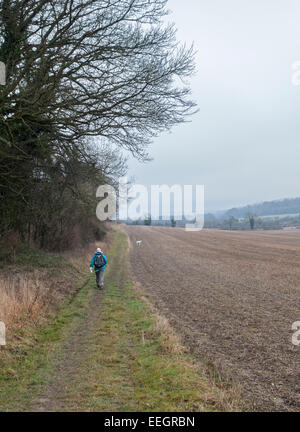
{"points": [[99, 261]]}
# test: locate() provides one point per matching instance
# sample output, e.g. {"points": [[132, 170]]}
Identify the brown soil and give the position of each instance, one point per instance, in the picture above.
{"points": [[233, 296]]}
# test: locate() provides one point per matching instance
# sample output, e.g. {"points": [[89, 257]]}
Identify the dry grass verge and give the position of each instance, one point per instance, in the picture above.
{"points": [[37, 283]]}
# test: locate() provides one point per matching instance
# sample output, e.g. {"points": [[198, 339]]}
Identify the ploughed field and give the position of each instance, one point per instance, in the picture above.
{"points": [[233, 296]]}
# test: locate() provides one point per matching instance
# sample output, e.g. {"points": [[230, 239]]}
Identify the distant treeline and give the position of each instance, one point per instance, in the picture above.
{"points": [[279, 207], [273, 215], [251, 221], [84, 81]]}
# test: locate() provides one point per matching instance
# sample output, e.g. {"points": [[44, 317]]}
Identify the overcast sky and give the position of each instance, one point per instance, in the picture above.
{"points": [[243, 145]]}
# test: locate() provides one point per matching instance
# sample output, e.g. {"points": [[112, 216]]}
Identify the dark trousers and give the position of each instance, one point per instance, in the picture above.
{"points": [[100, 277]]}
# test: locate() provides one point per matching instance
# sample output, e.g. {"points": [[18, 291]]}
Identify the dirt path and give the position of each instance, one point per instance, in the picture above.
{"points": [[65, 376], [56, 396], [73, 359], [234, 297]]}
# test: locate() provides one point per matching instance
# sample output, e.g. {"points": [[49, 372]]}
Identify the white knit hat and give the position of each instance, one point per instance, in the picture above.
{"points": [[99, 250]]}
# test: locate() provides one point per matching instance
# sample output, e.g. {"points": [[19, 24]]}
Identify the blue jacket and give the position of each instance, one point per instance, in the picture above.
{"points": [[93, 260]]}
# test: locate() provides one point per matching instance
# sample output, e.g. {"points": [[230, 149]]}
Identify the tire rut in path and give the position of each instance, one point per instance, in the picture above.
{"points": [[63, 376], [55, 396]]}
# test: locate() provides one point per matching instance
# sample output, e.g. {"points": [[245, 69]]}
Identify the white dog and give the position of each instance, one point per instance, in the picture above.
{"points": [[138, 243]]}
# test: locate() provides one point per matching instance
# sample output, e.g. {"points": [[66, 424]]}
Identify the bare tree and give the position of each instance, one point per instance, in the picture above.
{"points": [[252, 219], [77, 69], [91, 68]]}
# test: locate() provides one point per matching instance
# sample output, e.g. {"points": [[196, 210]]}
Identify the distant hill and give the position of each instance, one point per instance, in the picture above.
{"points": [[286, 206]]}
